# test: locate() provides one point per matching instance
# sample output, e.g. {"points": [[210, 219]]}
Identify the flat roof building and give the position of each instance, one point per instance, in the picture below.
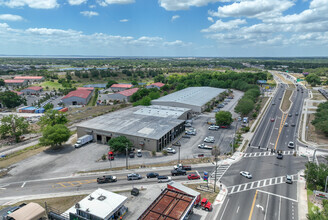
{"points": [[30, 79], [194, 98], [147, 127]]}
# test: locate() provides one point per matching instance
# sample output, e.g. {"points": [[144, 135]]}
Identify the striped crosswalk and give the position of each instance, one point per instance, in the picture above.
{"points": [[266, 154], [220, 171], [259, 184]]}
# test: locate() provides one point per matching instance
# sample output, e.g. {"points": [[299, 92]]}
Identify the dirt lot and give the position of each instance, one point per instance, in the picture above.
{"points": [[204, 194], [286, 102], [317, 95], [314, 135]]}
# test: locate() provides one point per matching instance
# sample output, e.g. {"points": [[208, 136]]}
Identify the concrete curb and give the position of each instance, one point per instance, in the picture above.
{"points": [[302, 196]]}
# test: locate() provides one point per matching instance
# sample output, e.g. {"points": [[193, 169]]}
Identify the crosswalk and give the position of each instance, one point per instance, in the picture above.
{"points": [[263, 154], [220, 171], [259, 184]]}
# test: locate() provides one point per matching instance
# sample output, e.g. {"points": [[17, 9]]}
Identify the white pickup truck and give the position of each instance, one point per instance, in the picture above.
{"points": [[204, 146]]}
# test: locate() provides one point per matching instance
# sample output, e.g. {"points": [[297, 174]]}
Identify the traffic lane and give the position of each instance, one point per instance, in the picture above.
{"points": [[237, 206], [262, 168]]}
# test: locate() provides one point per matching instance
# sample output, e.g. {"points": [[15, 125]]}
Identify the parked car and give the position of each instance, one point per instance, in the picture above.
{"points": [[190, 132], [291, 144], [152, 175], [289, 179], [186, 136], [177, 143], [163, 179], [224, 126], [188, 125], [213, 127], [206, 204], [106, 179], [246, 174], [178, 172], [170, 150], [131, 154], [204, 146], [209, 139], [134, 176], [193, 177], [139, 154]]}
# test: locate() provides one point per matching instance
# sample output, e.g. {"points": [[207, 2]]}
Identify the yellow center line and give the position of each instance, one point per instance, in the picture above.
{"points": [[251, 213], [283, 120]]}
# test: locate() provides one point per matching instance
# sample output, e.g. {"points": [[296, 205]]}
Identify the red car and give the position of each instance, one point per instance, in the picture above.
{"points": [[223, 126], [272, 119], [193, 177]]}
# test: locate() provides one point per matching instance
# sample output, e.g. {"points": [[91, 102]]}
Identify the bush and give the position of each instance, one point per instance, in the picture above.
{"points": [[164, 152], [103, 157], [245, 129], [254, 115], [153, 153]]}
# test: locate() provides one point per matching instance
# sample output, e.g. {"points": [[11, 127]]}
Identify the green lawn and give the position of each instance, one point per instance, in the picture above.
{"points": [[50, 85], [310, 204]]}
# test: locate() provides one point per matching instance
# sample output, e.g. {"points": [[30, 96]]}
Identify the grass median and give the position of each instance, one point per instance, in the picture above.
{"points": [[285, 105]]}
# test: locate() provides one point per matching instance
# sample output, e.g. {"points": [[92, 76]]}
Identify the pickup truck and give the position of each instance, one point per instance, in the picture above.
{"points": [[204, 146], [106, 179], [178, 172], [182, 167]]}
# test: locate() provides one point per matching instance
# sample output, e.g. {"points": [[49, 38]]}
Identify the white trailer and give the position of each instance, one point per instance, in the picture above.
{"points": [[83, 140]]}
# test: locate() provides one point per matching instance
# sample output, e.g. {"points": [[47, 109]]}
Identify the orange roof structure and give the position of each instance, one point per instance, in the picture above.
{"points": [[82, 93], [159, 84], [29, 77], [121, 86], [35, 88], [128, 92], [14, 80]]}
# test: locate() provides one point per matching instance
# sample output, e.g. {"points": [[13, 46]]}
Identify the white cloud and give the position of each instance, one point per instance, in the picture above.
{"points": [[52, 32], [124, 20], [4, 25], [220, 25], [177, 43], [210, 19], [175, 5], [89, 13], [174, 17], [92, 6], [109, 2], [10, 17], [76, 2], [39, 4], [253, 9]]}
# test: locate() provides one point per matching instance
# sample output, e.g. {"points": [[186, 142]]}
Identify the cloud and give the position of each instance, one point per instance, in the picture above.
{"points": [[51, 32], [220, 25], [110, 2], [175, 5], [10, 17], [92, 6], [38, 4], [174, 17], [76, 2], [253, 9], [124, 20], [210, 19], [89, 13]]}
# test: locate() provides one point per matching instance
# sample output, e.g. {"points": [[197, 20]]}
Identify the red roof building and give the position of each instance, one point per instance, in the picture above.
{"points": [[18, 93], [33, 90], [120, 87], [15, 82], [86, 88], [77, 97], [123, 95], [129, 92], [157, 85], [30, 78]]}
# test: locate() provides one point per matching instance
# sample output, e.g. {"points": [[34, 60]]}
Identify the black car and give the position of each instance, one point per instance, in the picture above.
{"points": [[178, 172], [131, 155], [106, 179], [280, 156], [152, 175]]}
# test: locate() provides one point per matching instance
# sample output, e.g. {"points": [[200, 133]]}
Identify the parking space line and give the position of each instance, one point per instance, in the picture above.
{"points": [[279, 209]]}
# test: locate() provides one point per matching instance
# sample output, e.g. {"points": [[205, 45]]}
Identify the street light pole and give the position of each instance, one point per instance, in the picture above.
{"points": [[216, 170], [126, 156], [179, 155]]}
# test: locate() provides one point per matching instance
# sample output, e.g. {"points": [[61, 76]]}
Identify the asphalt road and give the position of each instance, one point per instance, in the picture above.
{"points": [[267, 195]]}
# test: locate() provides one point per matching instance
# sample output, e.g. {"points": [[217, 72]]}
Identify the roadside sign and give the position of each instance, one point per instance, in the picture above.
{"points": [[321, 195], [205, 176]]}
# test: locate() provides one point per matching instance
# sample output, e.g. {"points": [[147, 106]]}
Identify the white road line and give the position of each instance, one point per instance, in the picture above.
{"points": [[284, 197], [252, 185], [3, 188], [271, 181], [266, 208], [223, 210], [281, 179], [237, 209], [23, 185], [238, 188], [279, 208], [233, 188]]}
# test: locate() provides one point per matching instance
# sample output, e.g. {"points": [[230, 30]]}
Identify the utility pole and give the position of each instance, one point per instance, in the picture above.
{"points": [[179, 155], [216, 152], [126, 156], [326, 184]]}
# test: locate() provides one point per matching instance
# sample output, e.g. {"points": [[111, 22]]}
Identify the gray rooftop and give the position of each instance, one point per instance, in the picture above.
{"points": [[162, 111], [198, 96], [136, 121]]}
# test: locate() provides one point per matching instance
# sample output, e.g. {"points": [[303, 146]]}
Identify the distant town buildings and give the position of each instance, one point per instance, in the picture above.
{"points": [[15, 82], [120, 87]]}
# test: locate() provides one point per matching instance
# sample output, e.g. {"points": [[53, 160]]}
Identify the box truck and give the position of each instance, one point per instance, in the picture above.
{"points": [[83, 140]]}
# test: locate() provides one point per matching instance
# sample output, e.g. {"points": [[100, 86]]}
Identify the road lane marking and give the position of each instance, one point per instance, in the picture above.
{"points": [[237, 209], [23, 185], [252, 208], [223, 210], [280, 129], [279, 208], [266, 208], [273, 194]]}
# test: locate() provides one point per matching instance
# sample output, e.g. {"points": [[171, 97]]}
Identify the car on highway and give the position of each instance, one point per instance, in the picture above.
{"points": [[293, 124], [209, 139], [107, 179], [289, 115], [139, 154], [171, 150], [291, 144], [163, 179], [213, 127], [178, 172], [246, 174], [279, 155], [152, 175], [272, 119], [286, 124], [289, 179], [273, 103], [193, 177], [296, 113], [279, 98], [204, 146], [134, 176]]}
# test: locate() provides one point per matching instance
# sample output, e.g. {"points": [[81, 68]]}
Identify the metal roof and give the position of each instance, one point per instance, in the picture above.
{"points": [[132, 121], [198, 96], [170, 205], [162, 111], [82, 93]]}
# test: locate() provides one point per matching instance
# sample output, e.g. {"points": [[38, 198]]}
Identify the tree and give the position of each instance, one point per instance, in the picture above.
{"points": [[119, 144], [244, 106], [10, 99], [313, 79], [53, 117], [223, 118], [110, 83], [2, 82], [13, 126], [48, 106], [54, 135]]}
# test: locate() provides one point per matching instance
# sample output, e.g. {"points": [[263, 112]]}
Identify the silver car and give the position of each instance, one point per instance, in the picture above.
{"points": [[134, 176]]}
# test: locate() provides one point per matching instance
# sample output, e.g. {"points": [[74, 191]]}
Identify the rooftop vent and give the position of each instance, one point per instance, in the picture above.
{"points": [[77, 206], [90, 198], [101, 198]]}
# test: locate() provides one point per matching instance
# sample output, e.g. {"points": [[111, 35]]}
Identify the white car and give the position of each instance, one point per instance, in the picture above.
{"points": [[209, 140], [291, 144], [171, 150], [246, 174], [204, 146], [164, 179], [213, 127]]}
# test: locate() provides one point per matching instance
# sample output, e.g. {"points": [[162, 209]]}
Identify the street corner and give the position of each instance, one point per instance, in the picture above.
{"points": [[222, 195]]}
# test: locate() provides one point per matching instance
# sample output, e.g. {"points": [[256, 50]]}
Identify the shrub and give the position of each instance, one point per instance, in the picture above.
{"points": [[103, 157], [164, 152]]}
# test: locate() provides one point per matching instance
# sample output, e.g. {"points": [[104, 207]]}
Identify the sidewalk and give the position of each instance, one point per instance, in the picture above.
{"points": [[302, 197]]}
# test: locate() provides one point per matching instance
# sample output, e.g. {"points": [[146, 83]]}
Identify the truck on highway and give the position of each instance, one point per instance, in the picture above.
{"points": [[83, 140], [182, 167]]}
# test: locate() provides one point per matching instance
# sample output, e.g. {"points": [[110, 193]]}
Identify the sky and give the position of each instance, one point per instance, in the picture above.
{"points": [[205, 28]]}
